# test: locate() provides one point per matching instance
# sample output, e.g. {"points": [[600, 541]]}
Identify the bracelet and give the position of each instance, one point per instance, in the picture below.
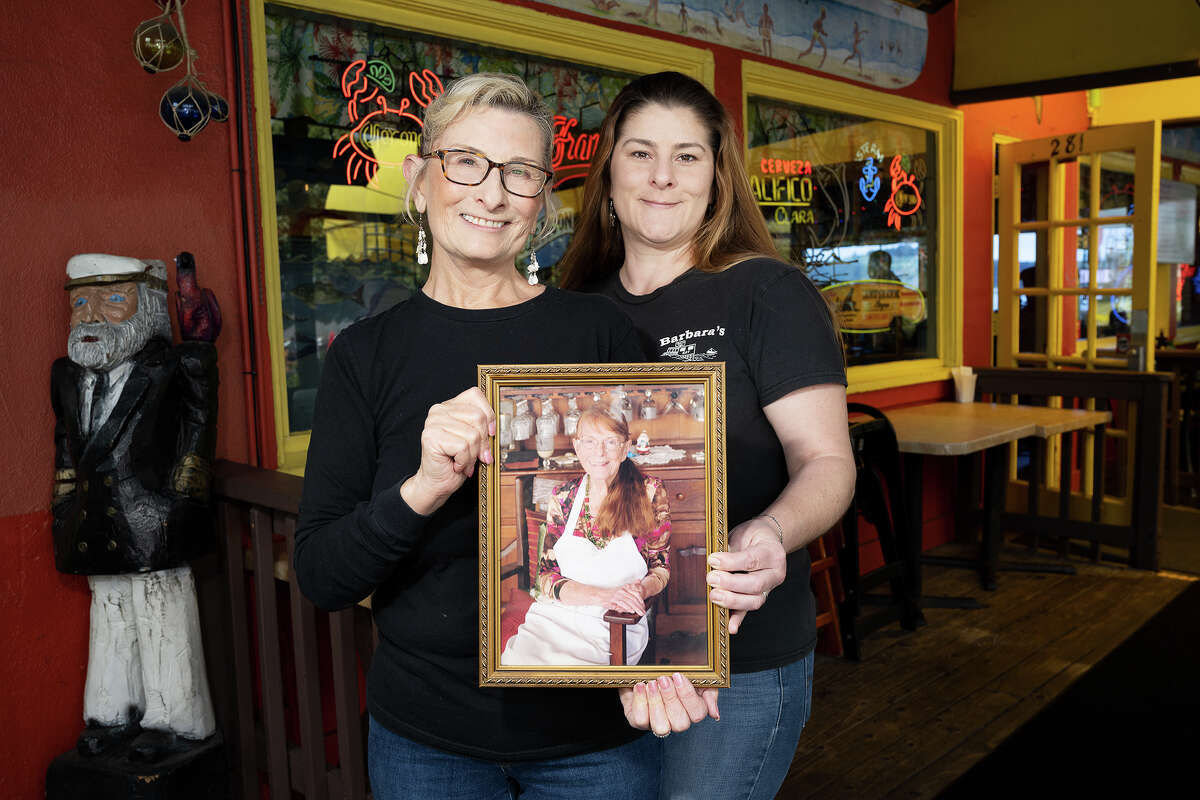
{"points": [[556, 589], [777, 525]]}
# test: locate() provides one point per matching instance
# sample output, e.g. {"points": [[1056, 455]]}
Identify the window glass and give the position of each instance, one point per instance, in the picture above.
{"points": [[347, 98], [853, 201]]}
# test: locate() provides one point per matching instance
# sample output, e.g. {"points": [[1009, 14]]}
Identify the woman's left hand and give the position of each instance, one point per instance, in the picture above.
{"points": [[755, 564], [667, 705]]}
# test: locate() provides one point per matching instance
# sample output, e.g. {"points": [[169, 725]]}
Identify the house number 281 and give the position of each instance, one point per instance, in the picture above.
{"points": [[1067, 147]]}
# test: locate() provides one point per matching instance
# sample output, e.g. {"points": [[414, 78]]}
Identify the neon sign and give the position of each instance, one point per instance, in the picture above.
{"points": [[791, 197], [362, 85], [868, 184], [796, 166], [901, 204], [572, 153]]}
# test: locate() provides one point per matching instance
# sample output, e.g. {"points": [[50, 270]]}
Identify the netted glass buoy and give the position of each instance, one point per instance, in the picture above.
{"points": [[185, 108], [158, 45]]}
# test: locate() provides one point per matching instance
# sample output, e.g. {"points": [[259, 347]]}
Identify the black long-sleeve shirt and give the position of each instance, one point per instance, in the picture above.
{"points": [[356, 534]]}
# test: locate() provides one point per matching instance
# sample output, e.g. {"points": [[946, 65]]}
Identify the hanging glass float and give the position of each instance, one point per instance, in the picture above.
{"points": [[186, 108], [157, 44], [219, 107], [161, 44]]}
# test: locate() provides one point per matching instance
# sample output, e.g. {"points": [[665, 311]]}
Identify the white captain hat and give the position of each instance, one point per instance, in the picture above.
{"points": [[88, 269]]}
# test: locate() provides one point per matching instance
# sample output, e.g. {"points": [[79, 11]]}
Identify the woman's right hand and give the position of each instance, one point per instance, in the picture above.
{"points": [[626, 598], [667, 705], [457, 434], [619, 598]]}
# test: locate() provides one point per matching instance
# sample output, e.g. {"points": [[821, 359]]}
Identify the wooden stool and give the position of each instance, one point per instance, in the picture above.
{"points": [[827, 589]]}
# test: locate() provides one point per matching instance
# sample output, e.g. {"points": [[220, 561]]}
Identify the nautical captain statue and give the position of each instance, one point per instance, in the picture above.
{"points": [[135, 420]]}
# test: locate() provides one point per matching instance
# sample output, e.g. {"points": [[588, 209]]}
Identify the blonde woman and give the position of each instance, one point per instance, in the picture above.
{"points": [[389, 504]]}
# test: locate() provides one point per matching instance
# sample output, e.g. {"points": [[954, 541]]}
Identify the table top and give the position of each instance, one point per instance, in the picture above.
{"points": [[955, 429]]}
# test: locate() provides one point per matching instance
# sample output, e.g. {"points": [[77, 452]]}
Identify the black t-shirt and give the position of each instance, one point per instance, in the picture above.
{"points": [[772, 329], [356, 535]]}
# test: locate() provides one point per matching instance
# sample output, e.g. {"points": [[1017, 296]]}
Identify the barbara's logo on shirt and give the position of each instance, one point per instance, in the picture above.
{"points": [[687, 346]]}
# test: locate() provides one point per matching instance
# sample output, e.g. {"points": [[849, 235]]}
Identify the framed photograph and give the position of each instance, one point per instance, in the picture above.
{"points": [[596, 518]]}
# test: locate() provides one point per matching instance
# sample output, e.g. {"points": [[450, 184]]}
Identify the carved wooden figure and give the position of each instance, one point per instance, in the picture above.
{"points": [[135, 427]]}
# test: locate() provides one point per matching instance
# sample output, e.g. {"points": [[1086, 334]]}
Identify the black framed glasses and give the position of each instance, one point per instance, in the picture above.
{"points": [[468, 168]]}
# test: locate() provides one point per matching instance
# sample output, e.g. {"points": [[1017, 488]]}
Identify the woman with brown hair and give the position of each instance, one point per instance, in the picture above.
{"points": [[607, 540], [669, 229]]}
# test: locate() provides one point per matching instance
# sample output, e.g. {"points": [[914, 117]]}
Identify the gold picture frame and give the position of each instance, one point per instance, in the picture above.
{"points": [[528, 499]]}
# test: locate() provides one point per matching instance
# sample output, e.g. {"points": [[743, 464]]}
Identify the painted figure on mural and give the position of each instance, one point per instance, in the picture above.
{"points": [[818, 37], [735, 12], [859, 35], [766, 26], [135, 428]]}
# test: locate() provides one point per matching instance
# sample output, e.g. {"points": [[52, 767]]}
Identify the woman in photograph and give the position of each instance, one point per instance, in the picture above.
{"points": [[389, 509], [606, 548], [669, 229]]}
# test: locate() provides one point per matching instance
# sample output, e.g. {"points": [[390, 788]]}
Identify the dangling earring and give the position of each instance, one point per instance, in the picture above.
{"points": [[422, 250], [531, 269], [612, 214]]}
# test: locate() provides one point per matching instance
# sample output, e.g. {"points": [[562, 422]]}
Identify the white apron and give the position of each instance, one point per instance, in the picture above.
{"points": [[557, 634]]}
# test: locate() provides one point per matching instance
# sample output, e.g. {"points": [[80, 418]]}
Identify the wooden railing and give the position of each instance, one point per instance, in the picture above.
{"points": [[268, 682], [1132, 488]]}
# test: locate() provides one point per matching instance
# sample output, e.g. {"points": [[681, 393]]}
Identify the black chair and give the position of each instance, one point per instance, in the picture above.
{"points": [[879, 497]]}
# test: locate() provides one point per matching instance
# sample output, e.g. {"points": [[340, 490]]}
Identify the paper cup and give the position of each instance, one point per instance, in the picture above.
{"points": [[964, 387]]}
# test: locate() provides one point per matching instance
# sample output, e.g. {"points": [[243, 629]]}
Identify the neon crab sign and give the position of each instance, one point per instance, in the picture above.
{"points": [[901, 203], [363, 85]]}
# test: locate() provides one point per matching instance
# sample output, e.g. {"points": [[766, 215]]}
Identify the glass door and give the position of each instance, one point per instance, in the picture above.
{"points": [[1077, 230]]}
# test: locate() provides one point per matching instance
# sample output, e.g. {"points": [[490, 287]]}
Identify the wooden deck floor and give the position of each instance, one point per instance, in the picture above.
{"points": [[922, 707]]}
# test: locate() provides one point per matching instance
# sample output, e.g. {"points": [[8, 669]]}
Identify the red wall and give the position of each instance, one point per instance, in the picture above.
{"points": [[91, 169]]}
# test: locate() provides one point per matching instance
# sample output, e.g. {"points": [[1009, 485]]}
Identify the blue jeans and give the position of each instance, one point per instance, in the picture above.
{"points": [[746, 755], [402, 768]]}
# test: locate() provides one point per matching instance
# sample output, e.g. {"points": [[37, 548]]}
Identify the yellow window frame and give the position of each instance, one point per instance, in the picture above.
{"points": [[478, 21], [765, 80]]}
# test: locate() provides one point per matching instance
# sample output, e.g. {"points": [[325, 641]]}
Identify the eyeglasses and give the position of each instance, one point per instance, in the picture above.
{"points": [[611, 445], [468, 168]]}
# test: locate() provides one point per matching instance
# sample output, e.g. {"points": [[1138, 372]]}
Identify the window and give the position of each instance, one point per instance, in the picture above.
{"points": [[336, 243], [863, 190]]}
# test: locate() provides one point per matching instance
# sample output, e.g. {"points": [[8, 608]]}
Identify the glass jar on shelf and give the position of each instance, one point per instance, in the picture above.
{"points": [[621, 408], [696, 408], [522, 424], [547, 421], [571, 420], [505, 425], [649, 410], [544, 443], [673, 405]]}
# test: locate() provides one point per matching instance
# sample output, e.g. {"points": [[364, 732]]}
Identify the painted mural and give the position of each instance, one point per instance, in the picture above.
{"points": [[879, 42]]}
